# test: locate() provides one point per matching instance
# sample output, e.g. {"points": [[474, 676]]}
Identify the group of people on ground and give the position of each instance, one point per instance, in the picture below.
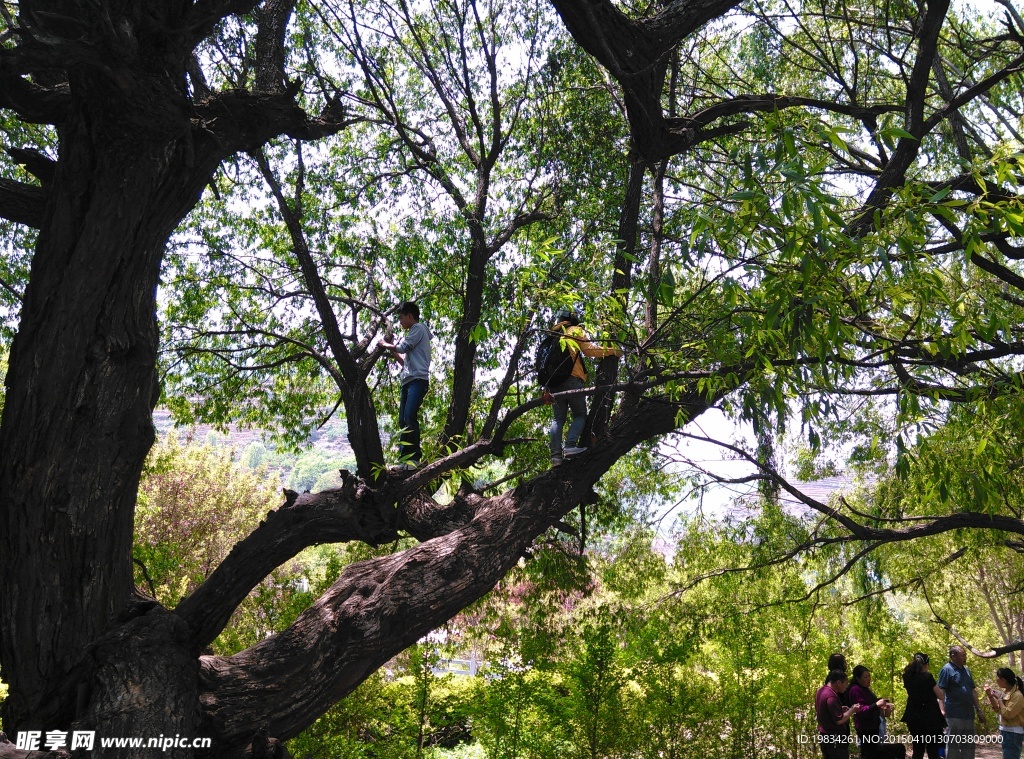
{"points": [[841, 700], [413, 354], [943, 712], [940, 715]]}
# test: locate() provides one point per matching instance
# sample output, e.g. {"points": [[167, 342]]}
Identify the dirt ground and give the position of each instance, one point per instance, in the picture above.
{"points": [[981, 751]]}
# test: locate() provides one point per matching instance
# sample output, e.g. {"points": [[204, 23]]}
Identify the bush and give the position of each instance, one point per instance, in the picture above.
{"points": [[314, 471], [194, 504]]}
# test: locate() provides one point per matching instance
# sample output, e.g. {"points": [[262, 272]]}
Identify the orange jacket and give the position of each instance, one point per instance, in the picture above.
{"points": [[580, 343]]}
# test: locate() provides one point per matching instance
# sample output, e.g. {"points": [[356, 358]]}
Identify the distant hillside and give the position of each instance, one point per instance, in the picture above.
{"points": [[313, 469]]}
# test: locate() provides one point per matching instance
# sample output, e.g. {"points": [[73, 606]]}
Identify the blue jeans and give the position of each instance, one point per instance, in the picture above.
{"points": [[560, 407], [409, 419], [1012, 743]]}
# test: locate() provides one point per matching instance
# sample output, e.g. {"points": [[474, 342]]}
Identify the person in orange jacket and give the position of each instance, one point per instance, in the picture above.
{"points": [[578, 343]]}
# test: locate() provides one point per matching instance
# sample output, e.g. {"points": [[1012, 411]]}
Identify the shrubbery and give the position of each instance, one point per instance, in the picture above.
{"points": [[621, 652]]}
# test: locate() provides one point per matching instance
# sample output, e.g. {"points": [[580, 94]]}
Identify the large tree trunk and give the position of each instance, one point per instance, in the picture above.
{"points": [[464, 360], [625, 253], [81, 387]]}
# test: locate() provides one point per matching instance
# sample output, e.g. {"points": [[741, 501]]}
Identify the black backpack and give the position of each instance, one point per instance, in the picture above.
{"points": [[554, 361]]}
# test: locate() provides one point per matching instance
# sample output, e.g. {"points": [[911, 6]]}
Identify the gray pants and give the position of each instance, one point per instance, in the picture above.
{"points": [[960, 739], [577, 404]]}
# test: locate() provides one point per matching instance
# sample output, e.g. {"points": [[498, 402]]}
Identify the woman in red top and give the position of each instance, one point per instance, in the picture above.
{"points": [[869, 719], [833, 717]]}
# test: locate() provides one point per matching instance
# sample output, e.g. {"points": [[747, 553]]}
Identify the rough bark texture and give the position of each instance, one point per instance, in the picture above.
{"points": [[81, 385], [134, 156], [307, 519], [24, 203], [142, 682]]}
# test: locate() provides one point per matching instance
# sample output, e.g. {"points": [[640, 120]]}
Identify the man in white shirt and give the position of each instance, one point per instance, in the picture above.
{"points": [[413, 355]]}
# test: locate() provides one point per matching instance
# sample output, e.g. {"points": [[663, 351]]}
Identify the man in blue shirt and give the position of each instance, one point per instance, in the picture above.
{"points": [[413, 355], [961, 703]]}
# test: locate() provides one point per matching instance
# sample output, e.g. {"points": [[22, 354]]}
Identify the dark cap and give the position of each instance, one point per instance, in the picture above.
{"points": [[567, 315]]}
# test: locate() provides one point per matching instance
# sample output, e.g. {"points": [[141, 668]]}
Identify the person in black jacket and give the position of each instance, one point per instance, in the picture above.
{"points": [[923, 716], [838, 661]]}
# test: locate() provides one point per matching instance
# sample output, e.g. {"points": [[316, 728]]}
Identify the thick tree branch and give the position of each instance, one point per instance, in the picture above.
{"points": [[200, 87], [39, 165], [636, 54], [242, 121], [894, 174], [629, 48], [977, 90], [31, 102], [360, 411], [381, 606], [519, 222], [773, 102], [270, 49], [207, 14], [333, 516], [998, 271], [352, 512], [22, 203], [939, 525]]}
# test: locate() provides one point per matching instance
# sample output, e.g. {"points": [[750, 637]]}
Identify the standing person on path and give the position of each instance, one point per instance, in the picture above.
{"points": [[923, 715], [868, 721], [838, 661], [961, 702], [1009, 705], [578, 343], [833, 717], [413, 354]]}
